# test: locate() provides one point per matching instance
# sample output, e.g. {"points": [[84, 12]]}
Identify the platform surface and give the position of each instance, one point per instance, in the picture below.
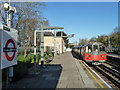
{"points": [[65, 71], [74, 75]]}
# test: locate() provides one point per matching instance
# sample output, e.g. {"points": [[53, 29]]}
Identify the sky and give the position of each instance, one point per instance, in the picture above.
{"points": [[84, 19]]}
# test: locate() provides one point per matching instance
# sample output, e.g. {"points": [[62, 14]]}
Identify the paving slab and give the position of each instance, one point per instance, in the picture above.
{"points": [[72, 75]]}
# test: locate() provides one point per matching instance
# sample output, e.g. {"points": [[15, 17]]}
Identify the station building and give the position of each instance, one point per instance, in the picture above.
{"points": [[50, 41]]}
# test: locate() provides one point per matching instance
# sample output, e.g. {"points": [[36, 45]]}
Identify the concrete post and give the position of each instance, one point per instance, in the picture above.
{"points": [[34, 51], [42, 46]]}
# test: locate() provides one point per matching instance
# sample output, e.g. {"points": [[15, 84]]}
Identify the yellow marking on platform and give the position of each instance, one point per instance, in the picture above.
{"points": [[92, 75]]}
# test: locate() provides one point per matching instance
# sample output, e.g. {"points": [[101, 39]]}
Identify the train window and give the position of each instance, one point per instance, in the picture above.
{"points": [[86, 49], [95, 48], [102, 48], [89, 49]]}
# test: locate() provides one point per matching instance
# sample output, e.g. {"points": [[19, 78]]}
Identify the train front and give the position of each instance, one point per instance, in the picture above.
{"points": [[95, 53]]}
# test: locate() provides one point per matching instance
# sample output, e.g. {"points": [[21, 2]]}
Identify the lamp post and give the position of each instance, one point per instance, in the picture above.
{"points": [[41, 48], [11, 10]]}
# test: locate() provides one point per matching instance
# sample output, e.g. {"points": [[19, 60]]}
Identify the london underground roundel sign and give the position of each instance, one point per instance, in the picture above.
{"points": [[7, 49]]}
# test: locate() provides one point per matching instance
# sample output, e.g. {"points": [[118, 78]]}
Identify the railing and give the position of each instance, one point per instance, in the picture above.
{"points": [[117, 49]]}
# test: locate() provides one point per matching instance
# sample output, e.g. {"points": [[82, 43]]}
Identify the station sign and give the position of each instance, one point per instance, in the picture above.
{"points": [[8, 46]]}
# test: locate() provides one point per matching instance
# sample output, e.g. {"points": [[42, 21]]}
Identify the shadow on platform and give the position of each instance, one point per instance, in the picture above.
{"points": [[46, 77], [50, 75]]}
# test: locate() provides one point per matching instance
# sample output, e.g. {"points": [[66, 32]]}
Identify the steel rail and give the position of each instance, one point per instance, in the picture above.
{"points": [[114, 81], [111, 64], [98, 76], [111, 71]]}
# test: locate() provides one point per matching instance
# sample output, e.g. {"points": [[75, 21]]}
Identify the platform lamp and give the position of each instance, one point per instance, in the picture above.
{"points": [[11, 10]]}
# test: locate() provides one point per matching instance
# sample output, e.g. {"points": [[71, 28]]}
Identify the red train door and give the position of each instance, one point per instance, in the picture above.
{"points": [[95, 51]]}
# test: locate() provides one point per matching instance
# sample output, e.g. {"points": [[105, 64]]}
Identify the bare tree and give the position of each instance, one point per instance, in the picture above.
{"points": [[26, 21]]}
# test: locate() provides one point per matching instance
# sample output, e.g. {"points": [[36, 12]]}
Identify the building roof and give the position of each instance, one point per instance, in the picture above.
{"points": [[52, 28], [48, 34]]}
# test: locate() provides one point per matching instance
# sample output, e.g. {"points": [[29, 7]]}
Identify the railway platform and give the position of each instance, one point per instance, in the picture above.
{"points": [[65, 71]]}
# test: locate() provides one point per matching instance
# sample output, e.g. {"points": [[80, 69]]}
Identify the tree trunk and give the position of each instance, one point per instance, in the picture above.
{"points": [[25, 53], [26, 47]]}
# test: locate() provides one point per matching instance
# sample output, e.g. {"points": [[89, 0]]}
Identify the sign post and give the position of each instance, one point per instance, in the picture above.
{"points": [[8, 49]]}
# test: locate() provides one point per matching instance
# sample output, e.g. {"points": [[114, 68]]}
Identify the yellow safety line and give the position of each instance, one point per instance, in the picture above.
{"points": [[92, 75]]}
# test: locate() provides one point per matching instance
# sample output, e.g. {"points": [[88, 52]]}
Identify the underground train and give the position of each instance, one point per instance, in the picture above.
{"points": [[92, 52]]}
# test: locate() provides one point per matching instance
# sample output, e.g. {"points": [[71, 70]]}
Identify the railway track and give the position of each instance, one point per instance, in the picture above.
{"points": [[109, 71], [113, 66], [111, 74], [113, 60]]}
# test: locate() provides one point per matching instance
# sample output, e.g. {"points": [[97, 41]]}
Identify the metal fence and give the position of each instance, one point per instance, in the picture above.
{"points": [[117, 49], [20, 50]]}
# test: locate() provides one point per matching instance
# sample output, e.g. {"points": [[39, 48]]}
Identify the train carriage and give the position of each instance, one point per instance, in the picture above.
{"points": [[92, 52]]}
